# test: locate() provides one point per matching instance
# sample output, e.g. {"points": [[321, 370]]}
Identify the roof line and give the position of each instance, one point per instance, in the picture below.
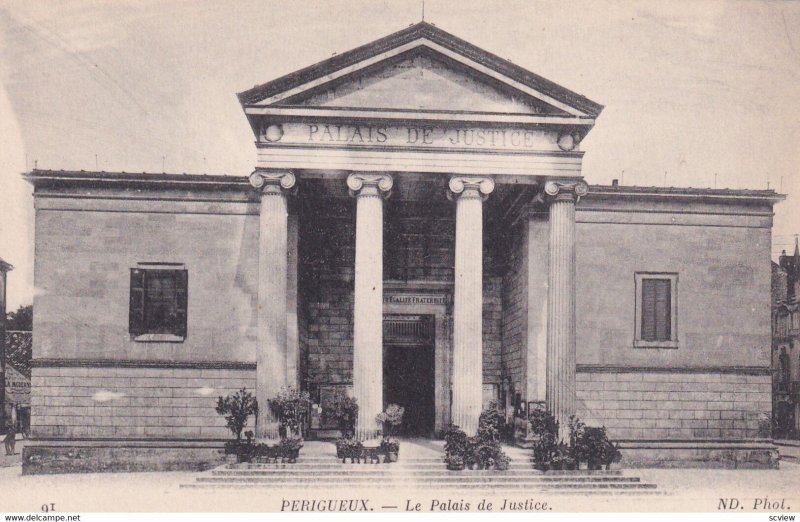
{"points": [[217, 180], [409, 34]]}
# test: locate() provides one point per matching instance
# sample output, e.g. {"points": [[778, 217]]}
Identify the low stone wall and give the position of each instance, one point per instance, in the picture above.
{"points": [[53, 457], [707, 455], [676, 405], [82, 402]]}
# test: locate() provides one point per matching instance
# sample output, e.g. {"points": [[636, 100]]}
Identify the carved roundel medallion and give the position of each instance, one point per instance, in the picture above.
{"points": [[567, 141], [273, 133]]}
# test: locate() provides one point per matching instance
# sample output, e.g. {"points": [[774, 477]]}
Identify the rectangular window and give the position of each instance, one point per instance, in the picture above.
{"points": [[656, 310], [158, 302]]}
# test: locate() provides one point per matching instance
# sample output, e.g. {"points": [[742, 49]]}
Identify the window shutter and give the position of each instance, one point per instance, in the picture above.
{"points": [[648, 309], [182, 298], [656, 310], [136, 310], [663, 311]]}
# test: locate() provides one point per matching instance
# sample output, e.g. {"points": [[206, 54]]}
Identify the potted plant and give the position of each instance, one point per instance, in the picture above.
{"points": [[349, 448], [454, 462], [342, 411], [289, 448], [593, 447], [482, 451], [290, 406], [391, 419], [391, 448], [236, 409], [456, 447], [544, 427], [612, 455]]}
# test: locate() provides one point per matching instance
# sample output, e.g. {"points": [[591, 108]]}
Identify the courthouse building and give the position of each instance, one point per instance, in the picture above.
{"points": [[417, 230]]}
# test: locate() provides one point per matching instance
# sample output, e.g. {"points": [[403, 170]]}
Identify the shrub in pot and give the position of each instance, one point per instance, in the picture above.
{"points": [[237, 408], [391, 448], [591, 447], [455, 441], [454, 462], [482, 451], [612, 455], [349, 448], [544, 427], [289, 448], [289, 407], [391, 419], [343, 412]]}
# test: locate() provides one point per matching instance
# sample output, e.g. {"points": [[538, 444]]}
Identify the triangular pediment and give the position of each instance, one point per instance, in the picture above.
{"points": [[422, 80], [421, 68]]}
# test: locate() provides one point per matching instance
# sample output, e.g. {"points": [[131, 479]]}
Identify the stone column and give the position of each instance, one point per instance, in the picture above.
{"points": [[469, 193], [560, 394], [369, 190], [271, 357]]}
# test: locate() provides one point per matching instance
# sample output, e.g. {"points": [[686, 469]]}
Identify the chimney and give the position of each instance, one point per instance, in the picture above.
{"points": [[615, 183]]}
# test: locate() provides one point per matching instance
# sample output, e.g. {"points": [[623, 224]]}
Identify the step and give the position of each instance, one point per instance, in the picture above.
{"points": [[443, 478], [490, 487], [408, 471], [338, 467]]}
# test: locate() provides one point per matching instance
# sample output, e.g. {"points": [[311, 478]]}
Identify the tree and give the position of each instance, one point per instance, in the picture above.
{"points": [[22, 319]]}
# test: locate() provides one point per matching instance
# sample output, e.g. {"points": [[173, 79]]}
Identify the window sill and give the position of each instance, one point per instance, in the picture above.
{"points": [[158, 338], [638, 343]]}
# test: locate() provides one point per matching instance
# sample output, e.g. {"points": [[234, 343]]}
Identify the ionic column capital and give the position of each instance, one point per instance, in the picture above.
{"points": [[270, 182], [565, 190], [369, 184], [470, 187]]}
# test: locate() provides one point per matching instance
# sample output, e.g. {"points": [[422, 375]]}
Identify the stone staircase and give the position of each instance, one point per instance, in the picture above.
{"points": [[417, 470]]}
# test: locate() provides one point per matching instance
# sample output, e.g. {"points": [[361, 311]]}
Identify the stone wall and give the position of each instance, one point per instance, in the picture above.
{"points": [[329, 347], [85, 248], [515, 310], [492, 329], [418, 248], [721, 256], [668, 405], [132, 402]]}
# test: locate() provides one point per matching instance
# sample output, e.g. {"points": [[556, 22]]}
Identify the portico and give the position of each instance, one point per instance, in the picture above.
{"points": [[419, 118]]}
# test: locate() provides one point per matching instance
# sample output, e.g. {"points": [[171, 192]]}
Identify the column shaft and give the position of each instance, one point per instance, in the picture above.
{"points": [[468, 302], [561, 312], [271, 364], [368, 305], [468, 314]]}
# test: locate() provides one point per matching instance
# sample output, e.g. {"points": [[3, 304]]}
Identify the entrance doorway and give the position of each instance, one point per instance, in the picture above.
{"points": [[409, 370]]}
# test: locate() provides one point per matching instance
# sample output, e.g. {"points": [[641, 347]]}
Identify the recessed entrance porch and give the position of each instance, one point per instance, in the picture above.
{"points": [[418, 293], [409, 370]]}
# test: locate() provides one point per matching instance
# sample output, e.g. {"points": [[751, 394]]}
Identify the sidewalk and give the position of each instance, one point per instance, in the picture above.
{"points": [[789, 450], [13, 460]]}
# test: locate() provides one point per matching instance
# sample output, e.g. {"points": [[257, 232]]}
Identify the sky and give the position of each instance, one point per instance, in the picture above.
{"points": [[694, 91]]}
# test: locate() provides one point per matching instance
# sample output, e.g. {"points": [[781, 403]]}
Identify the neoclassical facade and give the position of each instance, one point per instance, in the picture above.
{"points": [[416, 231]]}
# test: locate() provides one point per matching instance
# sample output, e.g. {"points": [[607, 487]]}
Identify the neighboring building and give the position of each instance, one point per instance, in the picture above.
{"points": [[5, 408], [786, 346], [492, 272], [18, 378]]}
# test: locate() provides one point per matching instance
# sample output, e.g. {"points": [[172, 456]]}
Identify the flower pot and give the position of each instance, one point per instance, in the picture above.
{"points": [[231, 458], [393, 456]]}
